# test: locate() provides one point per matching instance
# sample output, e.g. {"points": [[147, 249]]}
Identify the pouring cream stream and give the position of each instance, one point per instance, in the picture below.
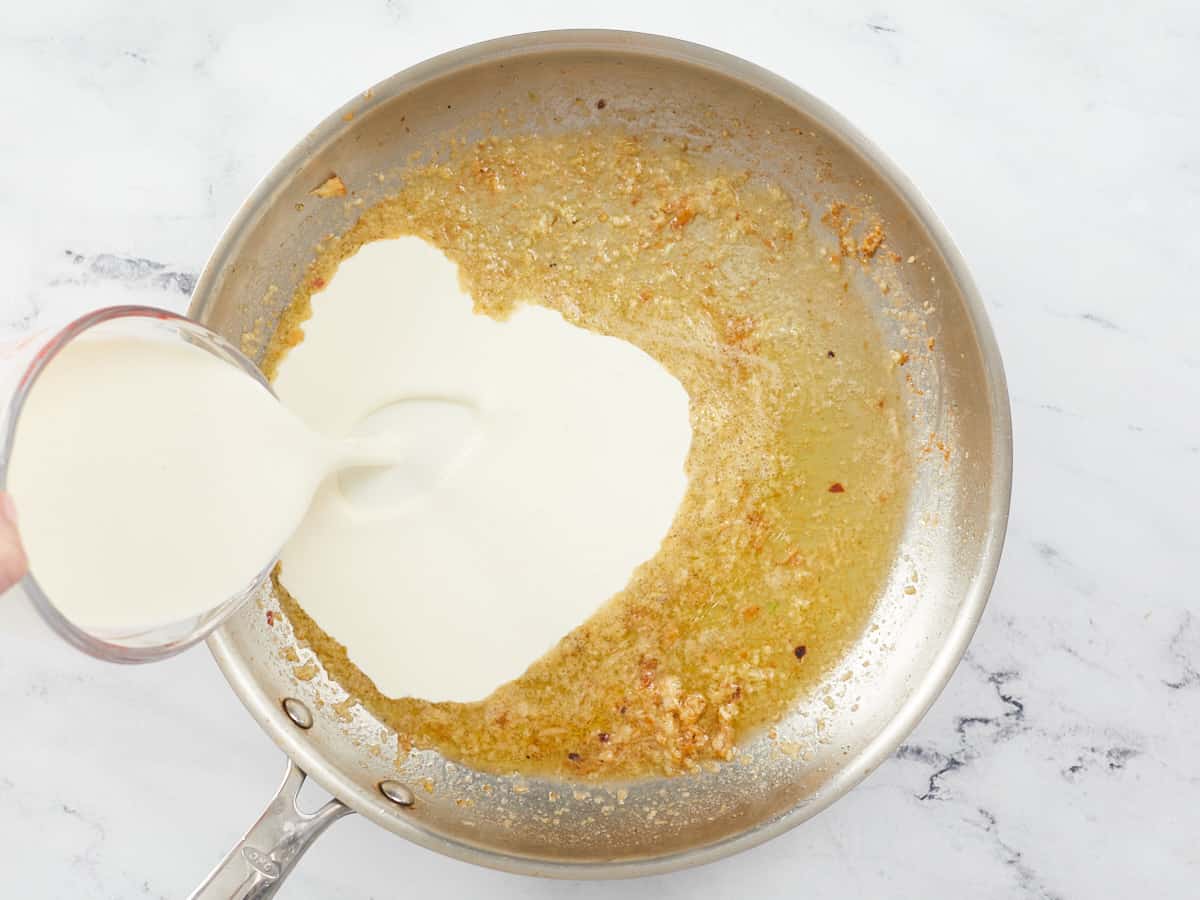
{"points": [[452, 494], [156, 480]]}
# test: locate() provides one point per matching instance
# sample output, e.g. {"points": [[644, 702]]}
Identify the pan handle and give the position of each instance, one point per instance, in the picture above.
{"points": [[256, 867]]}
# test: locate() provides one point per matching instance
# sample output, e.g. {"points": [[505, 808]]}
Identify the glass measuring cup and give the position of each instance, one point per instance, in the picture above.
{"points": [[131, 321]]}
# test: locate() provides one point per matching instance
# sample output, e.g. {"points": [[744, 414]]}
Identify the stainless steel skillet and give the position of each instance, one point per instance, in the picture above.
{"points": [[926, 304]]}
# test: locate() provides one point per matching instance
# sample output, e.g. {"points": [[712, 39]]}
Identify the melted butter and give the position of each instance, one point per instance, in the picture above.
{"points": [[712, 273]]}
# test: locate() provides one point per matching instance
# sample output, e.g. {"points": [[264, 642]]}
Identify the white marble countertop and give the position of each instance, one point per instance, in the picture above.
{"points": [[1062, 149]]}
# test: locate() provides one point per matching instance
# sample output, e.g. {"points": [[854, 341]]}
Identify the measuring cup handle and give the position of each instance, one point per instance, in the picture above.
{"points": [[257, 865]]}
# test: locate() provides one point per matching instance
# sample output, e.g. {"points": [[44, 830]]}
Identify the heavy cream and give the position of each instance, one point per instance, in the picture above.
{"points": [[543, 464], [154, 481], [452, 493]]}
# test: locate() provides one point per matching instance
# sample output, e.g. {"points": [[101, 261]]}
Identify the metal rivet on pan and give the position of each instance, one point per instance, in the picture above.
{"points": [[298, 713], [397, 793]]}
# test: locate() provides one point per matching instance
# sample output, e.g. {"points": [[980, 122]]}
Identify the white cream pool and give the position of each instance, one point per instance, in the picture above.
{"points": [[544, 464]]}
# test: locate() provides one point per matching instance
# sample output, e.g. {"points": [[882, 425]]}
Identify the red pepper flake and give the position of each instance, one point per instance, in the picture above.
{"points": [[574, 757], [837, 488], [800, 651], [603, 736], [271, 618], [318, 283]]}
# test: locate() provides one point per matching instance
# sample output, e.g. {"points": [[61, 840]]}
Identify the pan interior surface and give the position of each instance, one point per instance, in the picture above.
{"points": [[925, 306]]}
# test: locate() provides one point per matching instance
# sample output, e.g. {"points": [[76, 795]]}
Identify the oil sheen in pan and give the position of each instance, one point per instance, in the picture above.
{"points": [[955, 526]]}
